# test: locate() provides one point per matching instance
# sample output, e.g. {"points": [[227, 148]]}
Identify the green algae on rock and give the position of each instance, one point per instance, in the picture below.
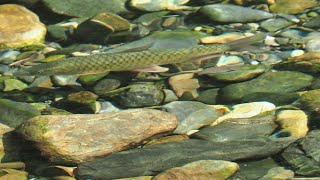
{"points": [[19, 27], [86, 8], [281, 82], [14, 113], [292, 7]]}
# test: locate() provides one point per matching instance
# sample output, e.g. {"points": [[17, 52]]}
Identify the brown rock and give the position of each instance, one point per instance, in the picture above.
{"points": [[203, 169], [79, 138], [19, 27]]}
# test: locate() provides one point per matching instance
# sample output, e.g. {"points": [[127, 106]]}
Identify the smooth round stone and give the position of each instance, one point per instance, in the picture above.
{"points": [[310, 101], [313, 45], [140, 95], [273, 25], [232, 13], [281, 81], [9, 55], [292, 7], [278, 173], [19, 27], [229, 60], [85, 8], [245, 72]]}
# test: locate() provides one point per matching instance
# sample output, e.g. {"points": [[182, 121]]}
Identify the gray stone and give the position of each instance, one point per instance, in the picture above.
{"points": [[85, 8], [232, 13], [208, 96], [14, 113], [140, 95], [313, 23], [163, 40], [273, 25], [254, 169], [276, 82], [278, 173], [157, 158], [106, 85], [238, 130], [244, 73]]}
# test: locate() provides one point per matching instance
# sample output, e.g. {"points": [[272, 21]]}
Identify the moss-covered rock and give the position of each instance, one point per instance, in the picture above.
{"points": [[272, 82]]}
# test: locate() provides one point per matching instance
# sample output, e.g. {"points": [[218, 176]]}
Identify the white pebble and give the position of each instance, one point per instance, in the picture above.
{"points": [[296, 53], [270, 41], [228, 60]]}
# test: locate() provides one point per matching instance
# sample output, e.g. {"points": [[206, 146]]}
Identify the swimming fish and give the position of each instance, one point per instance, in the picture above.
{"points": [[124, 61]]}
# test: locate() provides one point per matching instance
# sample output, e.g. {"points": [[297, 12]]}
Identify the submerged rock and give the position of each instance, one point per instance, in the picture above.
{"points": [[75, 139], [273, 97], [98, 28], [305, 155], [19, 27], [204, 169], [239, 129], [276, 82], [232, 13], [140, 95], [293, 122], [86, 8], [310, 101], [273, 25], [307, 63], [159, 5], [292, 7], [183, 83], [244, 73], [157, 158], [14, 113], [278, 173]]}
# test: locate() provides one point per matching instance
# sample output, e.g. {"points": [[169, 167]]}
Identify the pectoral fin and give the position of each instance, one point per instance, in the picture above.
{"points": [[153, 69], [200, 59]]}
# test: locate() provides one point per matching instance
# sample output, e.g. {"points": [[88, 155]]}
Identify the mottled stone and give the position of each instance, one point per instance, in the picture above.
{"points": [[278, 173], [81, 102], [86, 8], [307, 63], [293, 122], [310, 101], [19, 27], [243, 73], [91, 79], [79, 138], [157, 158], [140, 95], [204, 169], [166, 139], [232, 13], [14, 113], [305, 155], [208, 96], [292, 7], [281, 81], [106, 85]]}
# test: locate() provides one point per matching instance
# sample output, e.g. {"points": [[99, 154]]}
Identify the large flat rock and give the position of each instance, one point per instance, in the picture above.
{"points": [[72, 139]]}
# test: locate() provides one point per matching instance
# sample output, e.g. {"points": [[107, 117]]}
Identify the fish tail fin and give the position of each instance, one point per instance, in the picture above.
{"points": [[247, 41]]}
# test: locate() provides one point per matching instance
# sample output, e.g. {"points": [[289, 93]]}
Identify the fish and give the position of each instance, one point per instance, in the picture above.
{"points": [[125, 61]]}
